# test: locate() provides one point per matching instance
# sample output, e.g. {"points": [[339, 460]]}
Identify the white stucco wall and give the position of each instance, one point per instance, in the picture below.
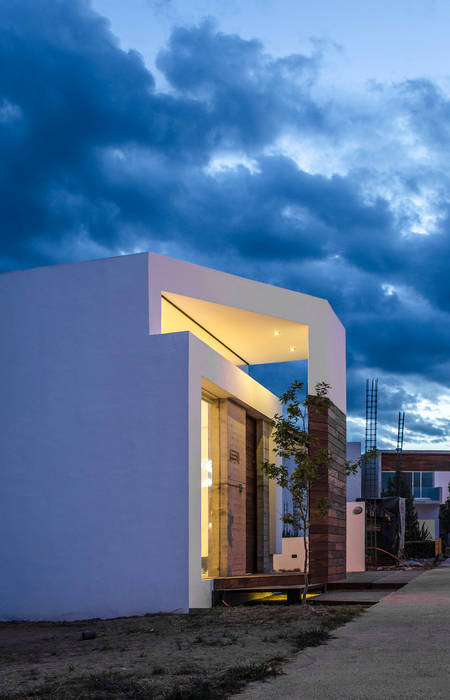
{"points": [[100, 491], [443, 479], [356, 536], [94, 478], [292, 557], [428, 514]]}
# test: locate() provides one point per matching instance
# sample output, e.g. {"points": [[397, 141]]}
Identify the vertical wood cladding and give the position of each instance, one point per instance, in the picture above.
{"points": [[328, 535], [263, 557], [241, 494], [250, 495], [236, 490]]}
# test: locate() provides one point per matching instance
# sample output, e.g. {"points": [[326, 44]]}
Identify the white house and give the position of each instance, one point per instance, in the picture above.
{"points": [[131, 431]]}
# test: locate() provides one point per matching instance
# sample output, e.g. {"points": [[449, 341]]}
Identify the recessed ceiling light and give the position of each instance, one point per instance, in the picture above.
{"points": [[291, 349], [276, 332]]}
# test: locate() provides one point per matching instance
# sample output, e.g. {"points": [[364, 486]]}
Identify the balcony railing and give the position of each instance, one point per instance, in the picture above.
{"points": [[434, 493]]}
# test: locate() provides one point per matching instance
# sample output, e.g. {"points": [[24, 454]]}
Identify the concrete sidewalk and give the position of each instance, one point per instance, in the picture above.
{"points": [[398, 649]]}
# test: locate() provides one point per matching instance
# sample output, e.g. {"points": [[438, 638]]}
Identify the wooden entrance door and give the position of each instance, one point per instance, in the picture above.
{"points": [[250, 483]]}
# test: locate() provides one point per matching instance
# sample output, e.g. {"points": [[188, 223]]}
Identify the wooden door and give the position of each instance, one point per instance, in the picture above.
{"points": [[250, 483]]}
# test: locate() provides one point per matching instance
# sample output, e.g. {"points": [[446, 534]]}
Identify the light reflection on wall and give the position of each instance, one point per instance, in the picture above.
{"points": [[206, 482]]}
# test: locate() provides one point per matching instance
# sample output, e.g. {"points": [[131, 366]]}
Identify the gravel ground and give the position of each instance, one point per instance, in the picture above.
{"points": [[206, 655]]}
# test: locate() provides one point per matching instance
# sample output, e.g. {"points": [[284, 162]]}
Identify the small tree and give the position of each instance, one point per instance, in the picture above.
{"points": [[293, 441], [444, 521]]}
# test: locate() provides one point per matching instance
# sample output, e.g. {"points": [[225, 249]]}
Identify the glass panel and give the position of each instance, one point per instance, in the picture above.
{"points": [[385, 476], [416, 479], [206, 483], [435, 493], [427, 479], [408, 478]]}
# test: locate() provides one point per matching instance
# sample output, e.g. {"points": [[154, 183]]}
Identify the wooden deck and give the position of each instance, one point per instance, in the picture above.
{"points": [[260, 582]]}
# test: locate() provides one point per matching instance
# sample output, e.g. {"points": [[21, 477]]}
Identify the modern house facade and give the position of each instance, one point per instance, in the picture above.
{"points": [[428, 475], [132, 432]]}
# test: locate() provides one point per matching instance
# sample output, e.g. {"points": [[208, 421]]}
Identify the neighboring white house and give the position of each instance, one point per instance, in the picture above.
{"points": [[131, 431], [427, 473]]}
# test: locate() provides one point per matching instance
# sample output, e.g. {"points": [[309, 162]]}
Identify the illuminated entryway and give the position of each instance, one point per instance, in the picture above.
{"points": [[234, 493], [206, 484]]}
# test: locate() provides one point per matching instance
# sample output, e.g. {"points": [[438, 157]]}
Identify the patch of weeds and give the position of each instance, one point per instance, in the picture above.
{"points": [[227, 682], [310, 638], [340, 617], [141, 630], [187, 671], [223, 642], [115, 685], [158, 671], [231, 637], [193, 692]]}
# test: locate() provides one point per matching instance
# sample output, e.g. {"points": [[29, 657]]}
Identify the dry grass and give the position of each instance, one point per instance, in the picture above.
{"points": [[206, 655]]}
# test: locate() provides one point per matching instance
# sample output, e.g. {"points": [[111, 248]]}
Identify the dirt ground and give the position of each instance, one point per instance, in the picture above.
{"points": [[206, 655]]}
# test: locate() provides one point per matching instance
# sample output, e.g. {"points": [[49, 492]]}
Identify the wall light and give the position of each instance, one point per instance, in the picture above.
{"points": [[276, 332], [291, 349]]}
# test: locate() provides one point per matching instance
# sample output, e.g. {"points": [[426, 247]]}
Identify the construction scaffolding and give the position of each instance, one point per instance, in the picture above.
{"points": [[385, 517], [401, 426], [369, 476]]}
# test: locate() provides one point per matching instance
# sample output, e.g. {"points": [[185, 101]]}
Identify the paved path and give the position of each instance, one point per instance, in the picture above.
{"points": [[399, 649], [379, 585]]}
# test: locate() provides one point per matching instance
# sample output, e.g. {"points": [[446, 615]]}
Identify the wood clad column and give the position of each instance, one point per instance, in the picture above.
{"points": [[250, 494], [236, 490], [263, 557], [327, 536]]}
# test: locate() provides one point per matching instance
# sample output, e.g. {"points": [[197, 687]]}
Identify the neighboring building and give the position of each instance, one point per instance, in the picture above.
{"points": [[131, 434], [354, 480], [426, 472], [428, 475]]}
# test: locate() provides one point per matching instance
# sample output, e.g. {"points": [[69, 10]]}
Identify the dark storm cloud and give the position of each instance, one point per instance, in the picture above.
{"points": [[241, 163], [250, 97]]}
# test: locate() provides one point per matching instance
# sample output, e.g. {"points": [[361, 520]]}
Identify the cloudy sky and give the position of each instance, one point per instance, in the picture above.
{"points": [[302, 144]]}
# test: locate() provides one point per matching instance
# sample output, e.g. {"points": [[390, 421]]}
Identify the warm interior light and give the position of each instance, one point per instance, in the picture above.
{"points": [[291, 349], [276, 332], [206, 482]]}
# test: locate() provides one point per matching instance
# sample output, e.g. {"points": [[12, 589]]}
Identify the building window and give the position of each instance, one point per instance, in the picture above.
{"points": [[420, 483]]}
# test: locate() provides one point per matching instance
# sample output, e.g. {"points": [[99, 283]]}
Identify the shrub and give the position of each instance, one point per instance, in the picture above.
{"points": [[420, 548]]}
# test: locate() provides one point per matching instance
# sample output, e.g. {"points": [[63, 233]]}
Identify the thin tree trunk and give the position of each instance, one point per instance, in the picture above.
{"points": [[306, 565]]}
